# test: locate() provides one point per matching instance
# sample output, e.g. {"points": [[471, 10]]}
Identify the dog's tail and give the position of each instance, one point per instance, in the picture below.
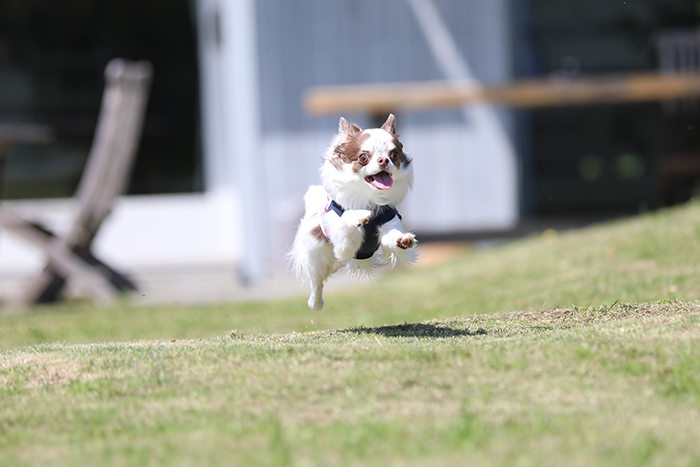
{"points": [[296, 258], [305, 241]]}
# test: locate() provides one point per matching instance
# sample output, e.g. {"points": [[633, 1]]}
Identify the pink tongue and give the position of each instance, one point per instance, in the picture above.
{"points": [[382, 181]]}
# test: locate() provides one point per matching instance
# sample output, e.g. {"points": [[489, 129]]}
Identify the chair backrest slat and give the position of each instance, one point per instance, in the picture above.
{"points": [[114, 146]]}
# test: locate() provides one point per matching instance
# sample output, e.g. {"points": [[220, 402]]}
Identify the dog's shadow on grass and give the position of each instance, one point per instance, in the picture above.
{"points": [[419, 330]]}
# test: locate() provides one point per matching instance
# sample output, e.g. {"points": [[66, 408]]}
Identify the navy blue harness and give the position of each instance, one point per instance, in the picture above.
{"points": [[380, 216]]}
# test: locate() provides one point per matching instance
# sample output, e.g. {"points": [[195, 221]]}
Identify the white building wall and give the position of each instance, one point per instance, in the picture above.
{"points": [[465, 166], [230, 103]]}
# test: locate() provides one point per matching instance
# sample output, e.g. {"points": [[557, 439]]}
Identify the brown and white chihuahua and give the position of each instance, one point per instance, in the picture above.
{"points": [[351, 221]]}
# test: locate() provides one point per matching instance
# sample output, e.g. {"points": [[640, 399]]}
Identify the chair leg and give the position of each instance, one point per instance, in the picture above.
{"points": [[46, 287], [119, 280], [61, 259], [52, 289]]}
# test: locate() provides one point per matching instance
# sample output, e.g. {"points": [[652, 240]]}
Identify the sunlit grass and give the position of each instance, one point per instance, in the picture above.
{"points": [[647, 258]]}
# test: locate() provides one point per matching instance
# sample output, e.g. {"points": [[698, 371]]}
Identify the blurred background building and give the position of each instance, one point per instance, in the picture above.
{"points": [[228, 151]]}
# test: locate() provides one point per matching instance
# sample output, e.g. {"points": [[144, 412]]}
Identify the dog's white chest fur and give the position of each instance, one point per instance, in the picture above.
{"points": [[363, 173]]}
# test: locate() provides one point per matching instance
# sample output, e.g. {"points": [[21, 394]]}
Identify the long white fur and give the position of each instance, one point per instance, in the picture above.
{"points": [[315, 259]]}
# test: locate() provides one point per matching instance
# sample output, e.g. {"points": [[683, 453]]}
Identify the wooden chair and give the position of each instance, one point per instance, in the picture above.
{"points": [[105, 177]]}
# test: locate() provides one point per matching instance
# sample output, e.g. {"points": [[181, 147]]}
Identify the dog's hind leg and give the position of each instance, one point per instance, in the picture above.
{"points": [[317, 278], [318, 273], [319, 266], [316, 297]]}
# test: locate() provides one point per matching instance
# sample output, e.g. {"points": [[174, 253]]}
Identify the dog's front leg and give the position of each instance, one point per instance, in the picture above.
{"points": [[345, 232], [397, 246]]}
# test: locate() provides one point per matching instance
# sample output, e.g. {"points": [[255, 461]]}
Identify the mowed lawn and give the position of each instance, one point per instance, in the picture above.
{"points": [[579, 348]]}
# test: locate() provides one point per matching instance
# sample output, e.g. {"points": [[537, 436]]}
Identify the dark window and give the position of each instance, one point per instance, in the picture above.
{"points": [[52, 59], [606, 158]]}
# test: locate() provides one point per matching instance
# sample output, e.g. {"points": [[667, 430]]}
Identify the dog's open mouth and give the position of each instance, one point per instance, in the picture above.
{"points": [[380, 181]]}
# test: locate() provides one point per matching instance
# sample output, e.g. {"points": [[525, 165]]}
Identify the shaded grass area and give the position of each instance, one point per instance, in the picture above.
{"points": [[646, 258], [600, 366]]}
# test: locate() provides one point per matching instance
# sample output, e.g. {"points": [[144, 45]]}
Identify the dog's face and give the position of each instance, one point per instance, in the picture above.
{"points": [[367, 168]]}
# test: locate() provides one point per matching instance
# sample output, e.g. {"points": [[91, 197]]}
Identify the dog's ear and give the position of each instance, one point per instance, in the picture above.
{"points": [[348, 129], [390, 124]]}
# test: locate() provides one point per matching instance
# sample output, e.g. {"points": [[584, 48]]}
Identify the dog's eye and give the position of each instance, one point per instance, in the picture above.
{"points": [[364, 158], [394, 154]]}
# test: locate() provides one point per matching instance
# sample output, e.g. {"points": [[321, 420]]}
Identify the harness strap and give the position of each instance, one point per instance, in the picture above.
{"points": [[380, 216]]}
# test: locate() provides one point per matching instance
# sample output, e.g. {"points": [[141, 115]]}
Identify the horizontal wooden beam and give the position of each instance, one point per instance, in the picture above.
{"points": [[431, 95], [25, 133]]}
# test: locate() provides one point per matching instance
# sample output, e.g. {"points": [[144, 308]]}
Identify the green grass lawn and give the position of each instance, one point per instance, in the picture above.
{"points": [[580, 348]]}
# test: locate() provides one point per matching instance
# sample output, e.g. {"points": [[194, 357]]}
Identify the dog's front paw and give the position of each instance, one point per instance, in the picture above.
{"points": [[406, 241], [364, 221], [359, 217]]}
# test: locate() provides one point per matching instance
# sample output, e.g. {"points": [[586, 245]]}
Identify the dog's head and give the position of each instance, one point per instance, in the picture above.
{"points": [[367, 168]]}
